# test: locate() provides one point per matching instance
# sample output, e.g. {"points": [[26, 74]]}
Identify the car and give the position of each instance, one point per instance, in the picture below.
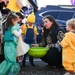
{"points": [[60, 13]]}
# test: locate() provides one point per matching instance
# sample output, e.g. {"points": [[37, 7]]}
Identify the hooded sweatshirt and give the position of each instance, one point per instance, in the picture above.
{"points": [[68, 45]]}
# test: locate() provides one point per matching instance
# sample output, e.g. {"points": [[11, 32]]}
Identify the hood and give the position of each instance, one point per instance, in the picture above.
{"points": [[71, 40]]}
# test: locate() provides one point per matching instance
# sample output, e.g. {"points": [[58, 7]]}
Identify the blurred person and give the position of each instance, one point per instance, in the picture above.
{"points": [[20, 18], [6, 1], [29, 32], [15, 5], [3, 8]]}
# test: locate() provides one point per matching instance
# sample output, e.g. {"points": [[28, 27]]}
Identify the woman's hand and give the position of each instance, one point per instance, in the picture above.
{"points": [[47, 46], [35, 45]]}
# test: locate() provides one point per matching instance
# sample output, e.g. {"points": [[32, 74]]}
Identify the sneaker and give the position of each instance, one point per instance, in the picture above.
{"points": [[67, 73]]}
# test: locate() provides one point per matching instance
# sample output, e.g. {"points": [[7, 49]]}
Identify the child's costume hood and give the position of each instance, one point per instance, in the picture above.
{"points": [[69, 40], [31, 18]]}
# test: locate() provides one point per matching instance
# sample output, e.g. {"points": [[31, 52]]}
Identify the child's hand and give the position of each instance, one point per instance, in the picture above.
{"points": [[21, 27]]}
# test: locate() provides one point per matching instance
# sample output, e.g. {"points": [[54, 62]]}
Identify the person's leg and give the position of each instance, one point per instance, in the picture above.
{"points": [[50, 57], [44, 58], [24, 60], [31, 60], [53, 58], [74, 67], [59, 62], [10, 60], [68, 66], [14, 69]]}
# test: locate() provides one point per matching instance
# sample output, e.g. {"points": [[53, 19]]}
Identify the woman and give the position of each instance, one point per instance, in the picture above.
{"points": [[52, 33], [15, 5], [3, 8]]}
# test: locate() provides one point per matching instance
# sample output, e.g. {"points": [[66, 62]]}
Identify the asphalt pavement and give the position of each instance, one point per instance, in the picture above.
{"points": [[39, 69]]}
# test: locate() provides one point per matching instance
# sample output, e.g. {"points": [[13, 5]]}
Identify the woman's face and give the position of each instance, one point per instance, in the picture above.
{"points": [[47, 23]]}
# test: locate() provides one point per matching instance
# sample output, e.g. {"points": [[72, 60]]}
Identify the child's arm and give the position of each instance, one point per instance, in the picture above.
{"points": [[35, 34], [22, 36], [35, 39], [23, 31], [17, 33], [65, 41]]}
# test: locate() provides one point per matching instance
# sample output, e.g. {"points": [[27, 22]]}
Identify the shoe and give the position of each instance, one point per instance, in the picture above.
{"points": [[58, 69], [23, 65], [48, 67], [67, 73]]}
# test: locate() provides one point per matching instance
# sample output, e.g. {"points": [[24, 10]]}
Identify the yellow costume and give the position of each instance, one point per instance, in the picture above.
{"points": [[31, 19], [30, 32], [13, 6], [25, 29], [68, 52]]}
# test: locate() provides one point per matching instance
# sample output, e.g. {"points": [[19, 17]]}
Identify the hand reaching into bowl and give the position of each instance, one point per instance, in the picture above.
{"points": [[35, 45], [47, 46]]}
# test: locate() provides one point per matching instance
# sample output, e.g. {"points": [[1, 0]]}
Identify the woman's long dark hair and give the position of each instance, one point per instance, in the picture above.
{"points": [[9, 20], [54, 24], [51, 19]]}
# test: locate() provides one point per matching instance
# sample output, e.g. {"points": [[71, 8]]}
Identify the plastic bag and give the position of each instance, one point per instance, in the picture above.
{"points": [[22, 47]]}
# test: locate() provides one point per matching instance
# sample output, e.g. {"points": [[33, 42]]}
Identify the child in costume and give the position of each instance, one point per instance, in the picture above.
{"points": [[68, 45], [15, 5], [29, 32], [20, 18], [11, 34]]}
